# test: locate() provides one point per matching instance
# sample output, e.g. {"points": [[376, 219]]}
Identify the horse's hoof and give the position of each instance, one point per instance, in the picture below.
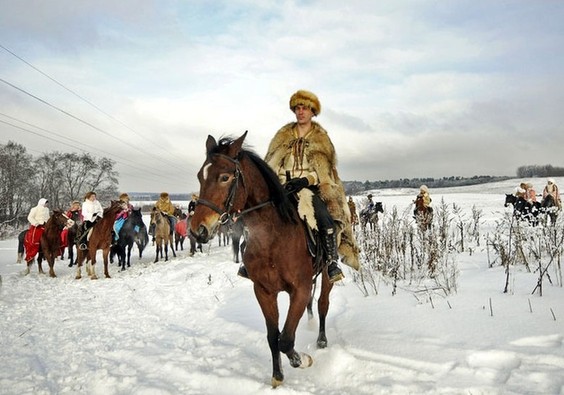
{"points": [[94, 277], [307, 360], [78, 277], [276, 382]]}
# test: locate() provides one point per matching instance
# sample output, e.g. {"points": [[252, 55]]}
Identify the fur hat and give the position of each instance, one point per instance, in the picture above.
{"points": [[164, 195], [424, 188], [551, 180], [305, 98], [124, 197]]}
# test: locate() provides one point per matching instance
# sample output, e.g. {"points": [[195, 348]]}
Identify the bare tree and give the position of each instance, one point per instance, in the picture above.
{"points": [[16, 179]]}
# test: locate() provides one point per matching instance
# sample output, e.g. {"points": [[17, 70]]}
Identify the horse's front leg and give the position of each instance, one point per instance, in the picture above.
{"points": [[171, 243], [157, 251], [269, 306], [79, 259], [39, 263], [51, 262], [299, 299], [91, 266], [106, 256], [323, 308]]}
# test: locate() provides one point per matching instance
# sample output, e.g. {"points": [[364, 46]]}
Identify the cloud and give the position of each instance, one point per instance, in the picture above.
{"points": [[408, 89]]}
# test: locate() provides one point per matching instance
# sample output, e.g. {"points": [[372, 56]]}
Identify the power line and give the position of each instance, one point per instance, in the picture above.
{"points": [[76, 94], [83, 121], [78, 148]]}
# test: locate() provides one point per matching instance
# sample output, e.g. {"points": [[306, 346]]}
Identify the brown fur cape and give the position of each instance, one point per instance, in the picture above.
{"points": [[321, 155]]}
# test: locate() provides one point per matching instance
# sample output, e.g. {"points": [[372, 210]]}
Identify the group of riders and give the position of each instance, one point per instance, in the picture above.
{"points": [[422, 202], [303, 156], [526, 192], [88, 214]]}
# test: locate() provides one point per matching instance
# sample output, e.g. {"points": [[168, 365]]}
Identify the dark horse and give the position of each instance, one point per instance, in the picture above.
{"points": [[50, 243], [370, 216], [522, 209], [238, 231], [423, 215], [71, 235], [100, 238], [131, 232], [21, 245], [237, 182], [549, 206]]}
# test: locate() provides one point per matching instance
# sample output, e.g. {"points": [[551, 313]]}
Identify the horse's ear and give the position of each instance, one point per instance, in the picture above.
{"points": [[236, 146], [210, 143]]}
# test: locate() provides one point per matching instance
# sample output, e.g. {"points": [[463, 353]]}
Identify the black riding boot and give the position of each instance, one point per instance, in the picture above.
{"points": [[80, 238], [330, 242]]}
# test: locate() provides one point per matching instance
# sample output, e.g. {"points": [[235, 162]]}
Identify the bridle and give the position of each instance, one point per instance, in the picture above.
{"points": [[226, 214]]}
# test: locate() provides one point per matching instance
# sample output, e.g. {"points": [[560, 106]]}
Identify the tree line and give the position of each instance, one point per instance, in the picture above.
{"points": [[529, 171], [56, 176]]}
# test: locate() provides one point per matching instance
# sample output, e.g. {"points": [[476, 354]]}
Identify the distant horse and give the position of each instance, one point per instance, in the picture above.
{"points": [[100, 238], [238, 231], [21, 245], [522, 209], [163, 235], [51, 241], [370, 216], [423, 214], [128, 235], [236, 181], [549, 206], [224, 233], [194, 244], [70, 237]]}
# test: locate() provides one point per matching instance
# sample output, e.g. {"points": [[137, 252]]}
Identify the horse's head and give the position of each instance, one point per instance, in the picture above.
{"points": [[234, 181], [61, 220], [378, 207], [509, 199], [220, 178]]}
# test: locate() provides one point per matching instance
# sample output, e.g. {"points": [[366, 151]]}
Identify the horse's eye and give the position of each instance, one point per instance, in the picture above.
{"points": [[224, 177]]}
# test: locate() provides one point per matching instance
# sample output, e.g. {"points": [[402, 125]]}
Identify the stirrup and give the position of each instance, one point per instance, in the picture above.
{"points": [[335, 273], [82, 246], [242, 272]]}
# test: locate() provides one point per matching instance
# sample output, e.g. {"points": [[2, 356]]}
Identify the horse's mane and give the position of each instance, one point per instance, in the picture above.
{"points": [[278, 194]]}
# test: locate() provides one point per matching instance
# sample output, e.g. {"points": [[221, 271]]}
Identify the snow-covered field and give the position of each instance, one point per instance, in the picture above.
{"points": [[191, 326]]}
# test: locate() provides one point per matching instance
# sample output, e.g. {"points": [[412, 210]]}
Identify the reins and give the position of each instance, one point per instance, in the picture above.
{"points": [[226, 215]]}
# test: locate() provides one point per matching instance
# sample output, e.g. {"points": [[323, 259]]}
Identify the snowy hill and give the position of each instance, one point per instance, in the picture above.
{"points": [[191, 326]]}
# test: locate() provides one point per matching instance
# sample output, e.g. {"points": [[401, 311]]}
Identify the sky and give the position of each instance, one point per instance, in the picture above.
{"points": [[192, 326], [407, 88]]}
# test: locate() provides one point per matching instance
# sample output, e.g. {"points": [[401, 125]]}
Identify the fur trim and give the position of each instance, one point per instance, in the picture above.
{"points": [[307, 99], [164, 195]]}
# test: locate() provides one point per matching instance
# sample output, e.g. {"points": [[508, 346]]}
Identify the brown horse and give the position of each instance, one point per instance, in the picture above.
{"points": [[50, 242], [236, 182], [163, 234], [100, 239], [423, 215]]}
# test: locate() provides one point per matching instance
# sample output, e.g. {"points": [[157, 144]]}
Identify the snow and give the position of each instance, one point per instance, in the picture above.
{"points": [[191, 326]]}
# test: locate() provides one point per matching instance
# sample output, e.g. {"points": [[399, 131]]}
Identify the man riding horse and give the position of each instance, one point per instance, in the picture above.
{"points": [[303, 156]]}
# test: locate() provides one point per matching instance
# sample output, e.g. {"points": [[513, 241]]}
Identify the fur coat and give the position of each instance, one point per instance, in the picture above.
{"points": [[321, 161]]}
